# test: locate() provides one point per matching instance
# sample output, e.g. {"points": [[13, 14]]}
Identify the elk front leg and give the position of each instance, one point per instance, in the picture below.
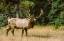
{"points": [[26, 31], [8, 30]]}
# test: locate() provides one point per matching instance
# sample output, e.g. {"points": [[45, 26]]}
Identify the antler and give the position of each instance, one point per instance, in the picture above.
{"points": [[40, 13]]}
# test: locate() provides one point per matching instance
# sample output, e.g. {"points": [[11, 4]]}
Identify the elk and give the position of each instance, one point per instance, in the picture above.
{"points": [[23, 24]]}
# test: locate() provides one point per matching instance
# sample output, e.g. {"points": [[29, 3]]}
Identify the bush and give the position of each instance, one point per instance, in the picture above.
{"points": [[3, 20], [57, 23]]}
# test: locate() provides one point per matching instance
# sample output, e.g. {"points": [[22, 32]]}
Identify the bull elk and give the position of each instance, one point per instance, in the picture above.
{"points": [[23, 24]]}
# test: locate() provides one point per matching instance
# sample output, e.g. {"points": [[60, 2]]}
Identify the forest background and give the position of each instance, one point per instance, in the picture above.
{"points": [[53, 11]]}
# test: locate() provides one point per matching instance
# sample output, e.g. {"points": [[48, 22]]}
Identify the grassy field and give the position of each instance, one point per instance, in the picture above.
{"points": [[38, 33]]}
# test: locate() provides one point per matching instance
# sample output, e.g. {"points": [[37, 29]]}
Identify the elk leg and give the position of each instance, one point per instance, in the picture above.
{"points": [[26, 31], [8, 31], [12, 32], [22, 32]]}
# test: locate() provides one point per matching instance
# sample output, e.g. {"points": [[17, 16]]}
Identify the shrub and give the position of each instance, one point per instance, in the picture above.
{"points": [[57, 23], [3, 20]]}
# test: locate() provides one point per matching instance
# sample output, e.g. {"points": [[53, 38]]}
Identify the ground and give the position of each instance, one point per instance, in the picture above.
{"points": [[38, 33]]}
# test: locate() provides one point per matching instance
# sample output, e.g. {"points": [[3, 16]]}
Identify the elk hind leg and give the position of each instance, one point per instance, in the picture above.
{"points": [[8, 30], [12, 32]]}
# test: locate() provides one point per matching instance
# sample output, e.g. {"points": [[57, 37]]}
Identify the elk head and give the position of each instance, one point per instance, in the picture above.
{"points": [[33, 20]]}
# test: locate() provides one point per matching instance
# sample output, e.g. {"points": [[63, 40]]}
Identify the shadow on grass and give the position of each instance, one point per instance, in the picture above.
{"points": [[42, 36]]}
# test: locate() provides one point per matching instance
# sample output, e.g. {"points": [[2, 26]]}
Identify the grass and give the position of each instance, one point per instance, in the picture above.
{"points": [[38, 33]]}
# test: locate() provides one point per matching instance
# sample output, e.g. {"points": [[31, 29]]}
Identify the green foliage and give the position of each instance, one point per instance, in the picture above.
{"points": [[32, 16], [24, 6], [61, 6], [53, 14], [21, 14], [57, 23], [62, 17], [3, 20], [1, 5]]}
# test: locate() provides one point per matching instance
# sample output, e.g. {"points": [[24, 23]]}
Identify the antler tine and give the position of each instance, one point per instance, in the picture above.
{"points": [[28, 14]]}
